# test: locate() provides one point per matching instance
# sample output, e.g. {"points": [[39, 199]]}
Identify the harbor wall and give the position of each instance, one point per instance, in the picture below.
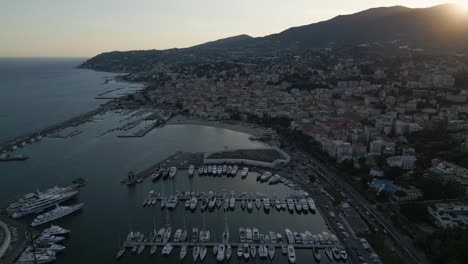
{"points": [[276, 163], [6, 241]]}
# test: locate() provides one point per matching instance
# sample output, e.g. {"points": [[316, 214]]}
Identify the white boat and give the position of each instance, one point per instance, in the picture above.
{"points": [[253, 251], [159, 235], [297, 238], [284, 249], [266, 203], [246, 251], [317, 254], [271, 251], [343, 254], [234, 170], [291, 254], [228, 252], [58, 212], [50, 238], [221, 252], [200, 170], [193, 203], [304, 238], [289, 236], [141, 248], [172, 172], [183, 252], [225, 237], [229, 170], [273, 237], [29, 258], [275, 179], [329, 253], [120, 253], [277, 204], [224, 169], [153, 249], [242, 234], [249, 205], [195, 235], [191, 170], [214, 170], [183, 236], [55, 230], [177, 235], [265, 176], [261, 252], [167, 235], [245, 172], [290, 205], [195, 253], [232, 202], [203, 251], [336, 253], [240, 251], [209, 169], [256, 234], [258, 203], [248, 235], [46, 246], [42, 202], [167, 249]]}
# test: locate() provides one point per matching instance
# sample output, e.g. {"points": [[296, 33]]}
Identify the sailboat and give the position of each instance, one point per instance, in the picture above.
{"points": [[228, 252]]}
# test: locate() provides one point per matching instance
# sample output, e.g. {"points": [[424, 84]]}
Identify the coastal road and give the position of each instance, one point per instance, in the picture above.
{"points": [[366, 208]]}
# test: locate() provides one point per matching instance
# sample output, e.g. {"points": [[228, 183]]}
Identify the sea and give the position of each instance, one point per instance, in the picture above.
{"points": [[35, 93]]}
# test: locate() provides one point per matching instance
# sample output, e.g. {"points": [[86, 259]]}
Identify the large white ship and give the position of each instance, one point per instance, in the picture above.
{"points": [[41, 203], [56, 213]]}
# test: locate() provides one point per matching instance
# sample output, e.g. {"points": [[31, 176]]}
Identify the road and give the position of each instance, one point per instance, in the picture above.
{"points": [[363, 206]]}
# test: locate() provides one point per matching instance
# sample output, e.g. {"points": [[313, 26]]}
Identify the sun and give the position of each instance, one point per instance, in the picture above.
{"points": [[463, 4]]}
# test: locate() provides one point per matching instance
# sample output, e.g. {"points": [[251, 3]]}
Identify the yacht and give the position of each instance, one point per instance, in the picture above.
{"points": [[284, 249], [256, 234], [228, 252], [205, 170], [343, 254], [253, 251], [177, 235], [50, 238], [141, 247], [273, 237], [246, 251], [203, 251], [229, 170], [234, 170], [271, 251], [249, 205], [298, 205], [245, 172], [232, 202], [209, 169], [55, 230], [153, 249], [214, 171], [226, 204], [317, 254], [204, 236], [266, 203], [219, 170], [221, 252], [316, 239], [225, 237], [311, 204], [160, 234], [290, 205], [224, 169], [277, 204], [305, 205], [329, 253], [172, 172], [336, 253], [284, 205], [183, 236], [56, 213], [156, 174], [267, 239], [167, 249], [48, 246], [200, 170], [289, 236], [279, 238], [243, 204], [41, 203], [291, 254], [240, 251], [165, 173], [241, 234], [275, 179], [261, 252], [310, 238], [30, 257], [183, 252], [195, 235], [321, 239], [265, 176], [120, 253], [297, 238], [195, 253], [304, 238], [167, 235], [191, 170], [248, 235], [258, 203]]}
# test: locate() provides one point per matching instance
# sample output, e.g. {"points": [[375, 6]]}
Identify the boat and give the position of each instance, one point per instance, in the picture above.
{"points": [[203, 251], [265, 176], [46, 246], [284, 249], [33, 257], [172, 172], [177, 235], [119, 253], [187, 203], [218, 202], [214, 171], [304, 238], [234, 170], [228, 252], [163, 203], [153, 249], [289, 236], [50, 238], [246, 251], [305, 205], [283, 205], [271, 251], [273, 237], [55, 230], [195, 235], [242, 234], [167, 249], [225, 237], [277, 204], [215, 250], [297, 238], [191, 170], [224, 169], [200, 170], [317, 255], [228, 170], [7, 157], [267, 239], [232, 202], [248, 235], [256, 234], [291, 254], [309, 237], [245, 172], [243, 204], [165, 173], [258, 203], [221, 252], [183, 236], [275, 179], [343, 254], [240, 251], [298, 205], [41, 203], [58, 212], [329, 253], [195, 253], [167, 235], [253, 251], [336, 253], [183, 252], [249, 205], [290, 205], [160, 234], [209, 169], [261, 252], [266, 203], [156, 175], [140, 249], [279, 238]]}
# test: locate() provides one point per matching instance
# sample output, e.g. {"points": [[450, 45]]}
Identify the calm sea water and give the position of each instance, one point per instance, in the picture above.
{"points": [[35, 93], [111, 209]]}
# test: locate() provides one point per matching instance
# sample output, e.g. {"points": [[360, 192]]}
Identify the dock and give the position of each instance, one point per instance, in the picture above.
{"points": [[130, 244]]}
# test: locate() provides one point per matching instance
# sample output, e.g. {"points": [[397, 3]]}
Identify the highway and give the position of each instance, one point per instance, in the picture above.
{"points": [[359, 201]]}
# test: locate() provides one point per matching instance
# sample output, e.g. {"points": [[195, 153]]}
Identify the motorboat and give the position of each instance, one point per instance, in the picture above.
{"points": [[245, 172], [221, 252], [242, 234], [329, 253], [253, 251], [291, 254], [317, 255], [336, 253], [240, 251], [256, 234], [167, 249], [228, 252], [271, 251], [191, 170], [203, 251], [195, 253], [183, 252], [246, 251], [289, 236], [172, 172]]}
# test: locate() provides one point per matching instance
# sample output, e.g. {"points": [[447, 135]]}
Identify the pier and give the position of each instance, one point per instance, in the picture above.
{"points": [[130, 244]]}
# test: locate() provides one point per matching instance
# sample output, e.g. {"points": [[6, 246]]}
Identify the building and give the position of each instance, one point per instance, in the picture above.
{"points": [[446, 172], [406, 162], [448, 215], [411, 194]]}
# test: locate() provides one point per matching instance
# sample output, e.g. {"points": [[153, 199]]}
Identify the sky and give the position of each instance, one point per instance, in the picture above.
{"points": [[84, 28]]}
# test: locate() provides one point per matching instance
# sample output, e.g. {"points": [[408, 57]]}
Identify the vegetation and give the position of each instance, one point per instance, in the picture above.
{"points": [[446, 246], [386, 255]]}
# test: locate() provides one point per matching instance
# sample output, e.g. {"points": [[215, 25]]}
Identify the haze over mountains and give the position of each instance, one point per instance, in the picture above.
{"points": [[442, 28]]}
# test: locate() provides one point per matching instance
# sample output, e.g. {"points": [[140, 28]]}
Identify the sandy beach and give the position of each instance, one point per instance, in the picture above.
{"points": [[240, 126]]}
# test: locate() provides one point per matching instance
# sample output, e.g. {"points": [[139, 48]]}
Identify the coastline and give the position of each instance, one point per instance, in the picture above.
{"points": [[244, 127]]}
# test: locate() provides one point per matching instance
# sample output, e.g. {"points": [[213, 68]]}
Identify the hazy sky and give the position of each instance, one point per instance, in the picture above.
{"points": [[84, 28]]}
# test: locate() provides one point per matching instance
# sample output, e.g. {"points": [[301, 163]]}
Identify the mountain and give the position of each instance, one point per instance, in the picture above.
{"points": [[441, 28]]}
